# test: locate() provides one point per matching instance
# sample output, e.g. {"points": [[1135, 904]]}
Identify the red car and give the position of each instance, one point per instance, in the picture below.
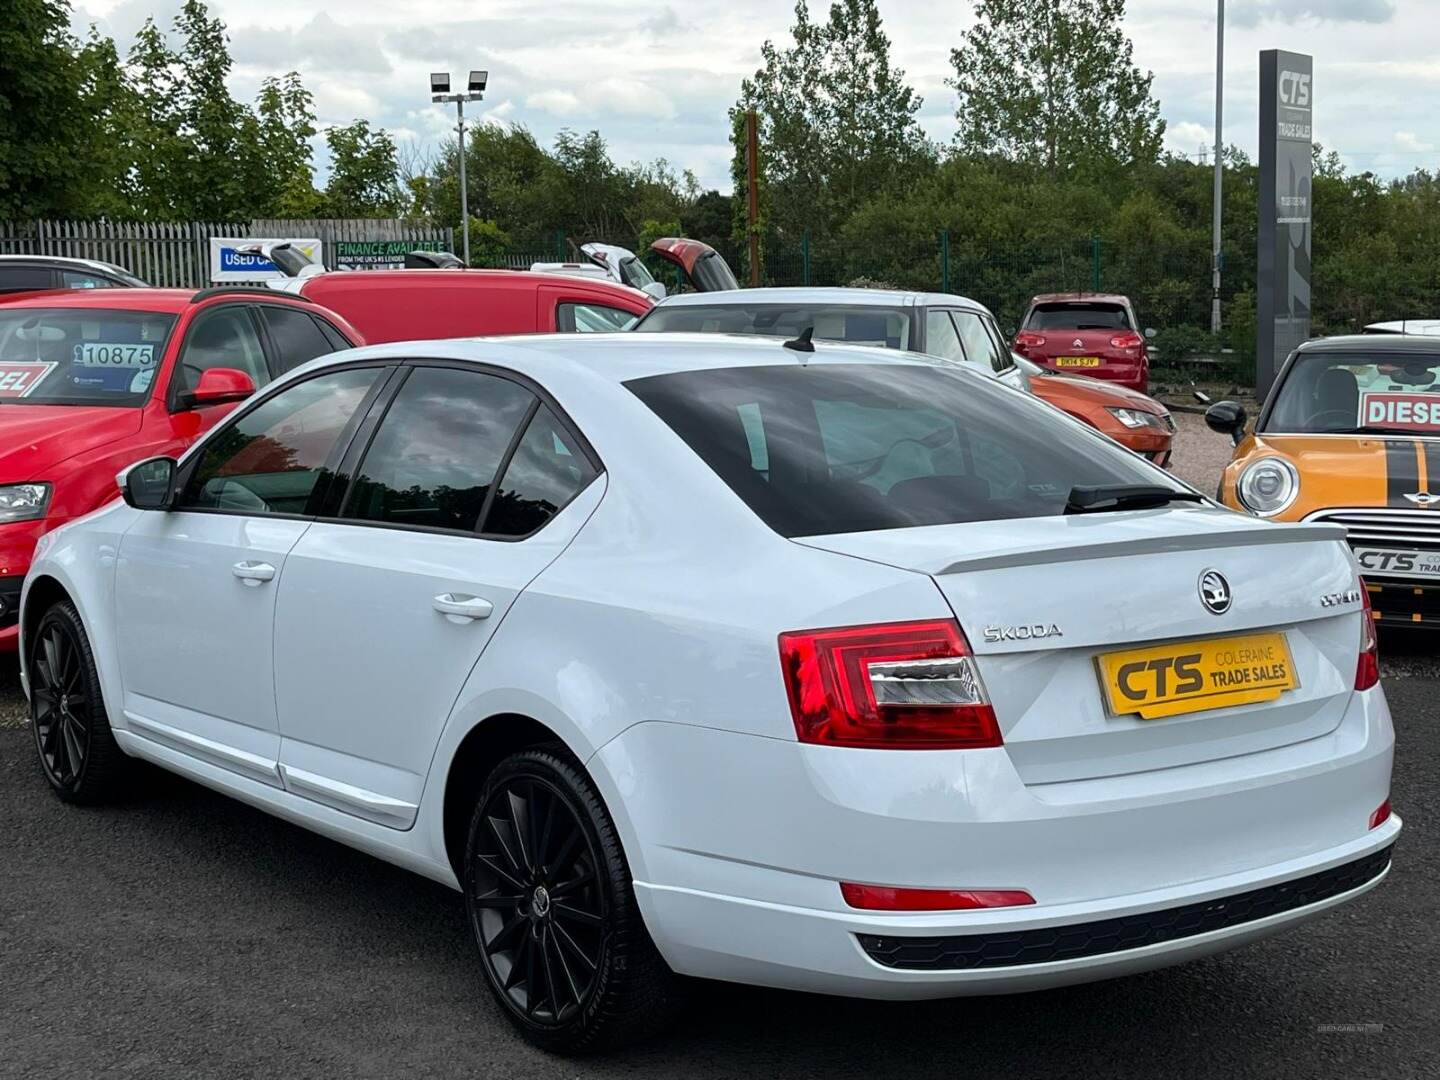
{"points": [[1086, 334], [94, 380], [401, 305]]}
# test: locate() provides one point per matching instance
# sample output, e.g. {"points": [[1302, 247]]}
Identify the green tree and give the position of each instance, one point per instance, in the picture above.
{"points": [[364, 173], [1055, 85]]}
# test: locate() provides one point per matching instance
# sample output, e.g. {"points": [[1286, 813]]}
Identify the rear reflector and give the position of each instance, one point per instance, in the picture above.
{"points": [[1367, 670], [1381, 815], [885, 898], [890, 686]]}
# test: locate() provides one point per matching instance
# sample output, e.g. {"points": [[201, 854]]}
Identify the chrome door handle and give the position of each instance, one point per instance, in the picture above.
{"points": [[253, 573], [462, 608]]}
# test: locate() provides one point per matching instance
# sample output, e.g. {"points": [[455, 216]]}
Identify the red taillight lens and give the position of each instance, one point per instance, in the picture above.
{"points": [[1367, 671], [1127, 340], [885, 898], [1028, 340], [891, 686], [1381, 815]]}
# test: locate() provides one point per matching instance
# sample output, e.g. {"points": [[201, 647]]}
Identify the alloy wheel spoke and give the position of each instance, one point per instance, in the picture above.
{"points": [[531, 1003], [544, 951], [574, 914], [72, 747], [567, 849], [552, 945], [492, 862], [542, 813], [500, 940], [495, 900], [520, 825], [51, 668], [504, 836], [566, 887], [563, 936]]}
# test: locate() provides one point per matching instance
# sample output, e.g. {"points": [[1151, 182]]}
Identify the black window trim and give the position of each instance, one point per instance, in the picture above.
{"points": [[332, 462], [378, 408], [172, 389]]}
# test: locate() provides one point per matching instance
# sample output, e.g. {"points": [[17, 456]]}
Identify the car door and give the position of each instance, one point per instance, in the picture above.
{"points": [[195, 586], [983, 348], [461, 497], [294, 337]]}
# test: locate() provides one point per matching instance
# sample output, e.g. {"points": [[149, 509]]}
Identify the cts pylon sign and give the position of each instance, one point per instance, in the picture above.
{"points": [[1283, 280]]}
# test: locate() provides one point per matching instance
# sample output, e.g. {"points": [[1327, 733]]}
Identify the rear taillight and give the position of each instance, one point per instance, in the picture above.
{"points": [[1379, 817], [890, 686], [1367, 671], [887, 898], [1028, 340], [1127, 340]]}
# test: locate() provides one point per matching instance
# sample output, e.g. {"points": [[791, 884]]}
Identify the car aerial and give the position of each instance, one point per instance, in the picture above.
{"points": [[1132, 419], [824, 668], [951, 327], [93, 380], [396, 305], [1093, 334], [28, 273], [1350, 434]]}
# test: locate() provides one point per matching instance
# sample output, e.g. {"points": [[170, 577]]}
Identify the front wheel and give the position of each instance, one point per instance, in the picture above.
{"points": [[78, 752], [553, 911]]}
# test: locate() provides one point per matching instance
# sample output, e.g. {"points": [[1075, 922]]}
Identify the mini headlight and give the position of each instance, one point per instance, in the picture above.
{"points": [[23, 502], [1268, 486], [1135, 418]]}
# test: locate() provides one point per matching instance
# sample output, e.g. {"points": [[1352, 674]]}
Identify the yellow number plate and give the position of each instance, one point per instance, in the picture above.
{"points": [[1167, 680], [1077, 361]]}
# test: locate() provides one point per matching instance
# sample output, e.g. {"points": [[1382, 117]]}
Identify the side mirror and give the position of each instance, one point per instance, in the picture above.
{"points": [[1228, 418], [149, 485], [1150, 333], [218, 386]]}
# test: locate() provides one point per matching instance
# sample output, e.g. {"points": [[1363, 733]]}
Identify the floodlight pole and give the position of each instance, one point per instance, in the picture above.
{"points": [[459, 100], [1219, 164]]}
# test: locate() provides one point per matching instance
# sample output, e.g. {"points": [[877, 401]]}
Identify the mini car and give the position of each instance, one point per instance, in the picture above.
{"points": [[92, 380], [1093, 334], [1350, 434], [818, 667]]}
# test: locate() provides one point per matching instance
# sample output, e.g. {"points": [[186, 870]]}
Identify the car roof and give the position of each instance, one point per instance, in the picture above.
{"points": [[1072, 297], [171, 301], [886, 298], [335, 280], [65, 261], [1374, 343], [620, 357]]}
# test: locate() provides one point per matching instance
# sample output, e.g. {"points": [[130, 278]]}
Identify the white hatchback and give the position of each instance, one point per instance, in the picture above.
{"points": [[828, 668]]}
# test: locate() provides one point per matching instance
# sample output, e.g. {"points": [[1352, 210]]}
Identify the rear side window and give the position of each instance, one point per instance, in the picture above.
{"points": [[296, 337], [941, 338], [858, 447], [546, 472], [75, 279], [437, 450], [1078, 315], [20, 278], [592, 319]]}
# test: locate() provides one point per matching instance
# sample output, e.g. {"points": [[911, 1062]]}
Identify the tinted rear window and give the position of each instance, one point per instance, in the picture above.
{"points": [[1078, 316], [857, 325], [850, 448]]}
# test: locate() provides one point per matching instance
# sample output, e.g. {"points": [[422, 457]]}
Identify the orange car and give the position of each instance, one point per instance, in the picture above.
{"points": [[1350, 434], [1133, 420]]}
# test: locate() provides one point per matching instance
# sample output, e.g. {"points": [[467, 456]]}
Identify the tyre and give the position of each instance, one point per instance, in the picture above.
{"points": [[552, 909], [77, 750]]}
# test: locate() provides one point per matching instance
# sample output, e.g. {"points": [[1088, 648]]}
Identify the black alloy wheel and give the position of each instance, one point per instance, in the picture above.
{"points": [[553, 911], [78, 753]]}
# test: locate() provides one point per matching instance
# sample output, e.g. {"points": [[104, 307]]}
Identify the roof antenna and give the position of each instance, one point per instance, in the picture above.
{"points": [[802, 344]]}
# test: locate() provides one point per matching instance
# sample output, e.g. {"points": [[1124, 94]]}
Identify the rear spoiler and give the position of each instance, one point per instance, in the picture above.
{"points": [[1272, 534]]}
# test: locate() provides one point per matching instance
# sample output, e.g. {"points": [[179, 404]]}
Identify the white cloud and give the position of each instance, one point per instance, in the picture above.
{"points": [[1188, 137], [1409, 142], [556, 102], [1254, 12]]}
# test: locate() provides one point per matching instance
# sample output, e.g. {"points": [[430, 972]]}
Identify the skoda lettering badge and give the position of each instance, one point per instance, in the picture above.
{"points": [[1215, 592]]}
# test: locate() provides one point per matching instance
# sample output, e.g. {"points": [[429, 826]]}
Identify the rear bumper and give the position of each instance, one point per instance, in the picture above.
{"points": [[1131, 376], [737, 844]]}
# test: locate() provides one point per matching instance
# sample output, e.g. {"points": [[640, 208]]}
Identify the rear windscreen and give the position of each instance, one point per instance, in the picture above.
{"points": [[841, 448], [886, 327], [1078, 316]]}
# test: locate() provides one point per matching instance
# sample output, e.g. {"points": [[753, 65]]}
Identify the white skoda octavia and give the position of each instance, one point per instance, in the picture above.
{"points": [[826, 668]]}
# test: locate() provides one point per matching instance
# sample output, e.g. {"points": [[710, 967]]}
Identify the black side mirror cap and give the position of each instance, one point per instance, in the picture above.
{"points": [[1228, 418], [149, 485]]}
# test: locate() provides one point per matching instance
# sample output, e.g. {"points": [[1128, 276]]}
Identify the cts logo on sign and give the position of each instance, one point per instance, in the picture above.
{"points": [[1295, 89], [1215, 592]]}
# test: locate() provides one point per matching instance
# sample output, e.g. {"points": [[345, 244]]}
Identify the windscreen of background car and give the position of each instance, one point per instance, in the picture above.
{"points": [[839, 448], [80, 356], [1340, 393], [1078, 316], [855, 325]]}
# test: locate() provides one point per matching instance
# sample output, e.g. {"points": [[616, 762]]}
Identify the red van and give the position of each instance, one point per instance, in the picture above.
{"points": [[94, 380], [403, 305]]}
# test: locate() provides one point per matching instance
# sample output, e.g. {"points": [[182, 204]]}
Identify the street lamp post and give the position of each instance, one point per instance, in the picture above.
{"points": [[1219, 165], [475, 91]]}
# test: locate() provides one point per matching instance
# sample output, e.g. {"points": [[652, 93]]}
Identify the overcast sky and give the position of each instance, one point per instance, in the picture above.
{"points": [[657, 77]]}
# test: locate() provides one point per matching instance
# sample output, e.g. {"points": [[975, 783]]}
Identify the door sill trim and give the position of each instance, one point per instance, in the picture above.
{"points": [[217, 753], [382, 809]]}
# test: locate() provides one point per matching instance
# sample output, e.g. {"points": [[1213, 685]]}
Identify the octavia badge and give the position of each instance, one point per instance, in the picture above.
{"points": [[1215, 592]]}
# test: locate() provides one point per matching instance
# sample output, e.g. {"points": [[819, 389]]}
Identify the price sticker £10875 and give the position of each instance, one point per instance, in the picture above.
{"points": [[101, 354]]}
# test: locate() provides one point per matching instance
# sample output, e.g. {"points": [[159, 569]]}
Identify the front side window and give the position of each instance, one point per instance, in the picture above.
{"points": [[592, 319], [272, 460], [225, 338], [436, 452], [1358, 393], [74, 356], [546, 472], [978, 344], [77, 279], [856, 447], [295, 335], [24, 278], [855, 325], [941, 338]]}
